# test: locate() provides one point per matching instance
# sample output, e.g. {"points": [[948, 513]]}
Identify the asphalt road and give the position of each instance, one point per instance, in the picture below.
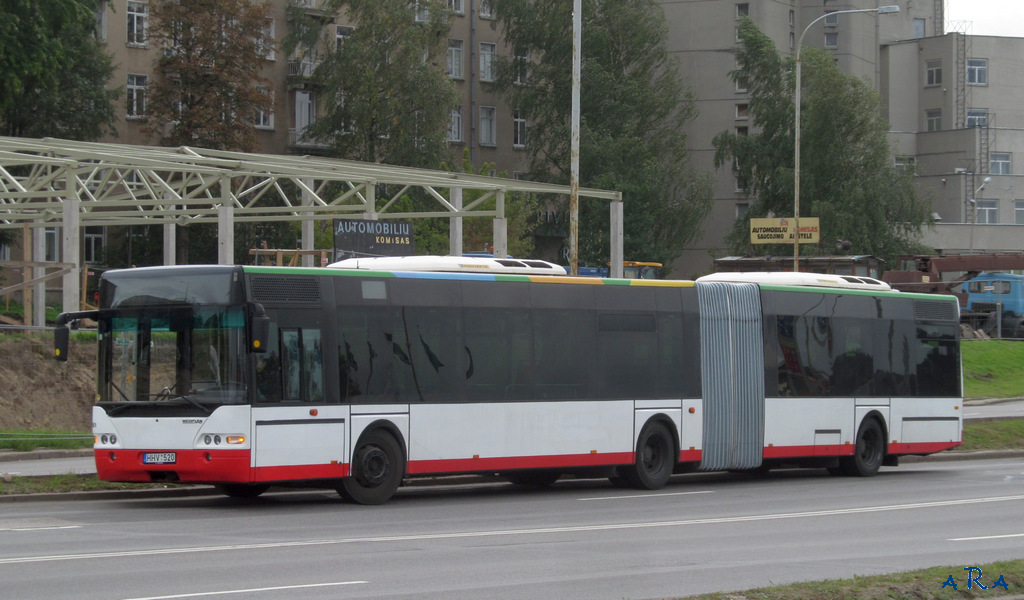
{"points": [[578, 540]]}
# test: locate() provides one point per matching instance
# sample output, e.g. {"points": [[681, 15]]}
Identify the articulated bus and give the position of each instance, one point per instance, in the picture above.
{"points": [[361, 375]]}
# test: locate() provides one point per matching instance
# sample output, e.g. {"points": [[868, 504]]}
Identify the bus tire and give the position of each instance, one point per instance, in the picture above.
{"points": [[246, 491], [655, 450], [376, 469], [869, 453]]}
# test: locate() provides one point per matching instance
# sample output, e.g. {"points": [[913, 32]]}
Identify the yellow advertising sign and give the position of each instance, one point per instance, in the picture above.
{"points": [[780, 231]]}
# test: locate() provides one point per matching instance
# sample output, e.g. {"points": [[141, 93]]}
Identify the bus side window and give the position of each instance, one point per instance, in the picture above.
{"points": [[268, 370], [302, 370]]}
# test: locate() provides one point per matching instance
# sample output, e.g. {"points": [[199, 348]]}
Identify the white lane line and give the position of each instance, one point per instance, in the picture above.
{"points": [[40, 528], [251, 590], [512, 532], [986, 537], [647, 495]]}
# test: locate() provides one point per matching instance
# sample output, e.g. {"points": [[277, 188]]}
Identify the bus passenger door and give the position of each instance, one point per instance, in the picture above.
{"points": [[298, 432]]}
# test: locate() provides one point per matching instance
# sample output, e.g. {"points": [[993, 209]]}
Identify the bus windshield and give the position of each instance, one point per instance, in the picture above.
{"points": [[179, 354]]}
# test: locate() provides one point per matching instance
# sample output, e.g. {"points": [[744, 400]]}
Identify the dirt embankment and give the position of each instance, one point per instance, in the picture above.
{"points": [[38, 392]]}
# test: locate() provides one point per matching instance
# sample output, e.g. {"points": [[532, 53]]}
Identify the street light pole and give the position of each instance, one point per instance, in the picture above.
{"points": [[974, 209], [796, 127]]}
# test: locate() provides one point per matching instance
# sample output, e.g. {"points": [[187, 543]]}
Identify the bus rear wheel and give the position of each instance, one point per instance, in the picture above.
{"points": [[376, 470], [654, 459], [870, 451]]}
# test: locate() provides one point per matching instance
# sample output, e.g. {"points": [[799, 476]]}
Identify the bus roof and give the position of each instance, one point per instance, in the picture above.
{"points": [[451, 264], [853, 282]]}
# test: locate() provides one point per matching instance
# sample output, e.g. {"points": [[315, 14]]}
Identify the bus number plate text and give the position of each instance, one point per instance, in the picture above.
{"points": [[159, 458]]}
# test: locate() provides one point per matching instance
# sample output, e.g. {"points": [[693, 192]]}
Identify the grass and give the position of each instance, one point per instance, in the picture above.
{"points": [[62, 484], [993, 435], [24, 440], [992, 368], [910, 585]]}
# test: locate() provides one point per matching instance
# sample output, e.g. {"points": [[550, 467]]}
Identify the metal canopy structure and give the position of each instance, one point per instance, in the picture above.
{"points": [[52, 182]]}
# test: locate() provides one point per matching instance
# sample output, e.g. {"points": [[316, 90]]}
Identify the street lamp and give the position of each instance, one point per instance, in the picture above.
{"points": [[882, 10], [974, 209]]}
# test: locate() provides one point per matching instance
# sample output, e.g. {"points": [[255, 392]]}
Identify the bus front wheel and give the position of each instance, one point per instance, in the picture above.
{"points": [[870, 451], [654, 459], [376, 470]]}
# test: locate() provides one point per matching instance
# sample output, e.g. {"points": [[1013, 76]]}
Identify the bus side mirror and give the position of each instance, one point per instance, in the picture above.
{"points": [[60, 342], [260, 334]]}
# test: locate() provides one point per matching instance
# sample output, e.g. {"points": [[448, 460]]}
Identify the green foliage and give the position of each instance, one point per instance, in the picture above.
{"points": [[908, 585], [992, 368], [521, 212], [29, 439], [53, 71], [210, 84], [633, 106], [382, 94], [847, 178], [993, 435]]}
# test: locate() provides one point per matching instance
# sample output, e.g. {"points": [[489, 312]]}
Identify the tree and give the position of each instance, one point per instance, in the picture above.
{"points": [[847, 177], [634, 108], [382, 91], [211, 85], [53, 71]]}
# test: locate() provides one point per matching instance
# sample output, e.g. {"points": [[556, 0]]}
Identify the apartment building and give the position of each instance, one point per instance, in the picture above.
{"points": [[482, 124]]}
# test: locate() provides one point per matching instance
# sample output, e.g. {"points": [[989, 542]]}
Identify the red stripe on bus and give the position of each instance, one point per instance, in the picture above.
{"points": [[293, 472]]}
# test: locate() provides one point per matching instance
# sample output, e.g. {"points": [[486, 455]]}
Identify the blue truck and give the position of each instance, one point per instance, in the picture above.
{"points": [[995, 303]]}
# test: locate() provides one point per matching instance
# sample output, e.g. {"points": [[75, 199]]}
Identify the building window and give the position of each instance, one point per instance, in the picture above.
{"points": [[457, 6], [486, 9], [741, 209], [136, 96], [138, 27], [933, 72], [831, 19], [268, 44], [455, 126], [52, 245], [518, 129], [1000, 163], [742, 111], [792, 18], [933, 120], [1018, 212], [904, 161], [977, 71], [341, 32], [741, 84], [101, 22], [488, 126], [264, 119], [742, 10], [987, 212], [5, 252], [919, 28], [831, 40], [977, 117], [421, 11], [742, 130], [487, 52], [522, 62], [93, 247], [305, 110], [455, 59], [792, 40]]}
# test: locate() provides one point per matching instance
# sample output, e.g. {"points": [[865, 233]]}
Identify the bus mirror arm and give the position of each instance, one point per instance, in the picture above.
{"points": [[260, 329], [62, 333]]}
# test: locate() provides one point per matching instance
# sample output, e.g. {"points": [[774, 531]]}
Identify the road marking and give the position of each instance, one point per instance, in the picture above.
{"points": [[40, 528], [986, 537], [251, 590], [511, 532], [647, 495]]}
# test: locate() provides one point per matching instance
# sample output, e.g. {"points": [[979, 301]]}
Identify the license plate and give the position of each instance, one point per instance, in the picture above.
{"points": [[159, 458]]}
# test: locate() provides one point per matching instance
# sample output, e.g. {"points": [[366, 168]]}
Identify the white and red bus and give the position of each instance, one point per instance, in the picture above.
{"points": [[366, 373]]}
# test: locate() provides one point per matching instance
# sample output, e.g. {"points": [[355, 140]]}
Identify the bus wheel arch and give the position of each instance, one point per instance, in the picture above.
{"points": [[377, 466], [869, 449], [656, 456]]}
